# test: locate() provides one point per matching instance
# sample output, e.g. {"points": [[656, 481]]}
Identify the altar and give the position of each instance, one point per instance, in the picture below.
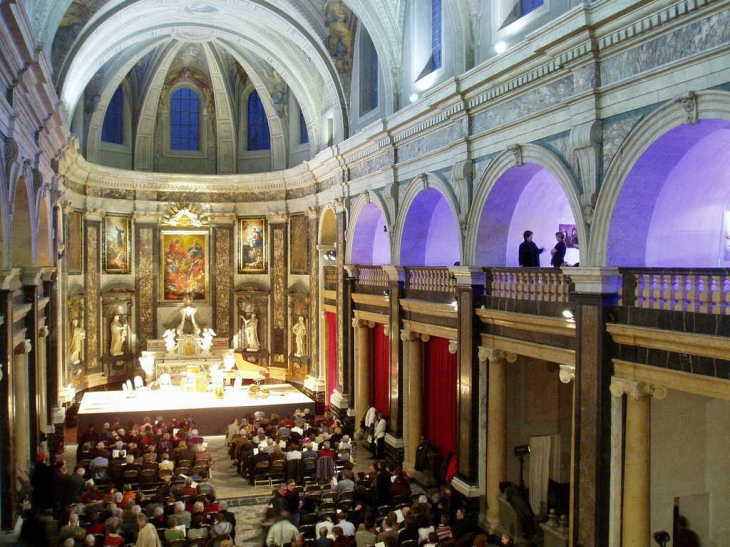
{"points": [[211, 414]]}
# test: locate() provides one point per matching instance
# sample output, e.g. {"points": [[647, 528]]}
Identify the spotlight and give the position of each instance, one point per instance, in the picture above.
{"points": [[522, 450], [500, 47], [662, 538], [568, 314], [386, 293], [330, 255]]}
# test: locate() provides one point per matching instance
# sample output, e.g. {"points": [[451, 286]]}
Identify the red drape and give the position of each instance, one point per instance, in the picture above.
{"points": [[381, 369], [440, 403], [331, 355]]}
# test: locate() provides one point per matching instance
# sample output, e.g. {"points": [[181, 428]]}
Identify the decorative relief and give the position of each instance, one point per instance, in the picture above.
{"points": [[145, 283], [453, 346], [689, 104], [516, 151], [92, 288], [567, 373], [223, 267]]}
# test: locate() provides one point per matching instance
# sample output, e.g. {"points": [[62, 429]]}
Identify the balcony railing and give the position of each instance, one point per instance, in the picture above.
{"points": [[535, 284]]}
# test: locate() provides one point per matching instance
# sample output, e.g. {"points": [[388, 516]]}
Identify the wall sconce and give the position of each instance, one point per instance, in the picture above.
{"points": [[385, 228], [330, 255], [386, 293], [569, 315], [662, 538]]}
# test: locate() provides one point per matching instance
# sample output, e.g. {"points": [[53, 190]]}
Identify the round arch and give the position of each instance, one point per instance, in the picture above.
{"points": [[649, 211], [427, 231], [367, 242], [512, 195], [327, 227]]}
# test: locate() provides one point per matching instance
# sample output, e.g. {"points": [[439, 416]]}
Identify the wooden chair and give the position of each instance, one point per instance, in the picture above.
{"points": [[261, 474], [276, 471], [309, 470]]}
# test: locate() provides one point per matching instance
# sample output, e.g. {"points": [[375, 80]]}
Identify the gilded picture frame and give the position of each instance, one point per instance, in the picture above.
{"points": [[299, 244], [253, 248], [184, 263], [75, 243], [117, 251]]}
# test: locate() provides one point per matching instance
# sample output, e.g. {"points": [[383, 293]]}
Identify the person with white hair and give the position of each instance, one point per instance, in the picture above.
{"points": [[89, 540], [72, 530], [148, 536], [181, 515]]}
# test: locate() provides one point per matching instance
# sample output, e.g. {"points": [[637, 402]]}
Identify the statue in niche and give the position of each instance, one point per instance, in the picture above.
{"points": [[251, 333], [300, 337], [118, 331], [78, 335]]}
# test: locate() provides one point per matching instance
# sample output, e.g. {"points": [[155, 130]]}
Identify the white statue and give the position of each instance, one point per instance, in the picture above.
{"points": [[206, 339], [169, 338], [300, 337], [118, 331], [77, 340], [251, 333]]}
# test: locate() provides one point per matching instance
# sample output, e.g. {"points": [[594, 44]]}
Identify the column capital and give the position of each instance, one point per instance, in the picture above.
{"points": [[408, 336], [486, 353], [636, 390], [567, 373], [24, 347], [386, 329], [453, 346]]}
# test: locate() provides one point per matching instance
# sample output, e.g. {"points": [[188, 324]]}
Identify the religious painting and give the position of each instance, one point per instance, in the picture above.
{"points": [[184, 265], [117, 244], [299, 244], [571, 235], [252, 245], [75, 242]]}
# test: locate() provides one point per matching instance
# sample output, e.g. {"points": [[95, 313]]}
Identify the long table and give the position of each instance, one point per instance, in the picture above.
{"points": [[210, 414]]}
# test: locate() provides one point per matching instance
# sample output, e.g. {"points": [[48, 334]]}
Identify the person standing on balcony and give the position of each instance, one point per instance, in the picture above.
{"points": [[558, 252], [529, 256]]}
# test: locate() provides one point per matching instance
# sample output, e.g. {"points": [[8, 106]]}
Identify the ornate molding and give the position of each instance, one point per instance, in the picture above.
{"points": [[23, 347], [453, 346], [636, 390], [689, 105], [408, 336], [586, 139], [516, 151]]}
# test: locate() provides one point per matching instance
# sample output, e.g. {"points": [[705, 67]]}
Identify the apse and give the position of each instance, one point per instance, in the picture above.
{"points": [[528, 197], [674, 207], [371, 241], [430, 232]]}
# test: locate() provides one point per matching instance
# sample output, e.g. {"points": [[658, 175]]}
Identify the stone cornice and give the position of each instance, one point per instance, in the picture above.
{"points": [[530, 349], [371, 300], [531, 323], [371, 317], [429, 308], [449, 333], [715, 347]]}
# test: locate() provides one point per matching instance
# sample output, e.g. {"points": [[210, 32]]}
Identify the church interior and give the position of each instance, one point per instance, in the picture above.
{"points": [[333, 196]]}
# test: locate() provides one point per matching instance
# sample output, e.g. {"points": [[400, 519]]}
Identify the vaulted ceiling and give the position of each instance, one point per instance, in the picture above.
{"points": [[96, 44]]}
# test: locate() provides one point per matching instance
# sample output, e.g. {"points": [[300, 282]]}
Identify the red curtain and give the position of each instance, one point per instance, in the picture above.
{"points": [[440, 402], [381, 369], [331, 355]]}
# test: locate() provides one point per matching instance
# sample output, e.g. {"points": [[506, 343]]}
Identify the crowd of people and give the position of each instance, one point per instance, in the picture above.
{"points": [[144, 484]]}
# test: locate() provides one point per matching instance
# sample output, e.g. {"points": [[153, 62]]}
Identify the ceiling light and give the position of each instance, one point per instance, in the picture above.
{"points": [[500, 47], [414, 97]]}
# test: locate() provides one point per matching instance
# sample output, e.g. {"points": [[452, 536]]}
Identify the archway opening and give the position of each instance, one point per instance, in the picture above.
{"points": [[430, 232], [21, 240], [371, 241], [674, 206], [528, 197]]}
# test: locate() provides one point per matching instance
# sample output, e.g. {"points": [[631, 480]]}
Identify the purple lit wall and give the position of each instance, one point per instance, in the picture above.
{"points": [[370, 244], [430, 232], [524, 198], [670, 209]]}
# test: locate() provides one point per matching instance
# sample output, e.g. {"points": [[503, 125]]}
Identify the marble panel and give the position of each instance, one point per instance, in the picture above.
{"points": [[536, 100], [668, 49], [370, 166], [433, 141], [146, 283], [222, 280], [93, 287], [615, 132]]}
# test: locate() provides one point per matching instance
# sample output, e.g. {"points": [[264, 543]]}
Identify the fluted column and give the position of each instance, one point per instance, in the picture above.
{"points": [[413, 401], [363, 394], [637, 460], [22, 419], [496, 430]]}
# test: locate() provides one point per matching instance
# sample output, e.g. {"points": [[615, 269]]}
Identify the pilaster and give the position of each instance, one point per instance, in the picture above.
{"points": [[396, 284]]}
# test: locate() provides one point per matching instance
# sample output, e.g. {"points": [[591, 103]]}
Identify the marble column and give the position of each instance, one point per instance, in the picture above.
{"points": [[496, 431], [363, 392], [636, 514], [21, 392], [413, 396]]}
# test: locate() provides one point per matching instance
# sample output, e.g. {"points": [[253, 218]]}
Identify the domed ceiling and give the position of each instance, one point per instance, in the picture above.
{"points": [[281, 48]]}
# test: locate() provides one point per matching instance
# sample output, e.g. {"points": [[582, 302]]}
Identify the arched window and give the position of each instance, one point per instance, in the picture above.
{"points": [[184, 120], [258, 124], [303, 133], [112, 130], [368, 73], [436, 40], [526, 6]]}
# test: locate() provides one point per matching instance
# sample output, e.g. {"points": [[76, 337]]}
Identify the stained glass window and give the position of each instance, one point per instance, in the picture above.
{"points": [[184, 120], [258, 124], [112, 130], [303, 133]]}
